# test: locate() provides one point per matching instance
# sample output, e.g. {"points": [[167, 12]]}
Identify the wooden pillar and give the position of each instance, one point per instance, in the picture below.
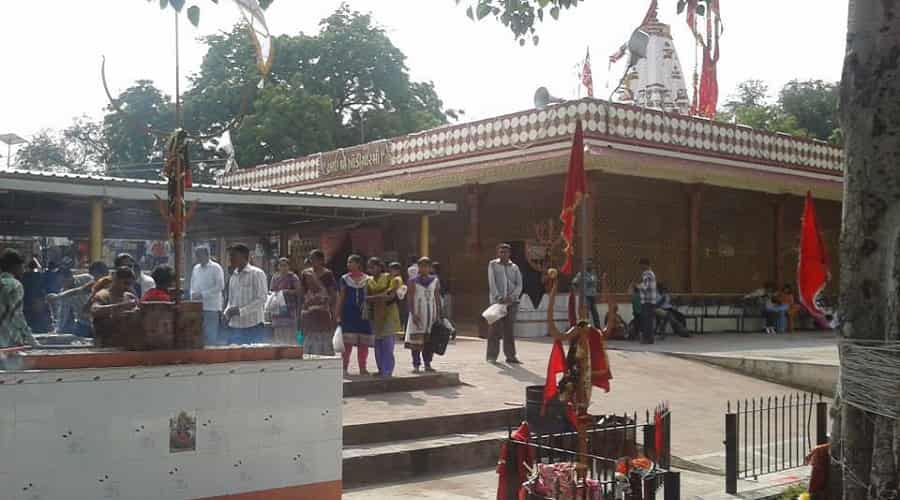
{"points": [[223, 253], [284, 244], [778, 239], [424, 236], [96, 236], [473, 200], [695, 195], [592, 200]]}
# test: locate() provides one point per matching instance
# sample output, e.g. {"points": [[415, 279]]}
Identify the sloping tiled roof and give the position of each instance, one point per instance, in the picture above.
{"points": [[96, 185]]}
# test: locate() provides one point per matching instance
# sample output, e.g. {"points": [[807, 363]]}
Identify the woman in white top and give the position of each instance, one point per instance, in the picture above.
{"points": [[424, 310]]}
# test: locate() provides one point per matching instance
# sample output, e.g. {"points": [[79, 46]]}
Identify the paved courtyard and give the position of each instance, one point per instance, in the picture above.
{"points": [[643, 376]]}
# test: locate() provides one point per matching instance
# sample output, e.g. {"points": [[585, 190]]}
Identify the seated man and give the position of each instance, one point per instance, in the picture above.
{"points": [[667, 314], [775, 313], [109, 302], [163, 278]]}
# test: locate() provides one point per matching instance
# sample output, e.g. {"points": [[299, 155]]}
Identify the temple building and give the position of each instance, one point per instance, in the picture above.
{"points": [[715, 206], [657, 80]]}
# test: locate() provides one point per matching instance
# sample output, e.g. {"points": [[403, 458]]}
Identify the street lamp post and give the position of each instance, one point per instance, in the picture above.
{"points": [[10, 140]]}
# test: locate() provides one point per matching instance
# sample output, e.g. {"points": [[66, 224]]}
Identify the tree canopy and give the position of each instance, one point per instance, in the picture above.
{"points": [[806, 108], [344, 85]]}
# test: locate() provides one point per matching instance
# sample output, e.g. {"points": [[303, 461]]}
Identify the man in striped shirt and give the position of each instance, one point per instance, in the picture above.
{"points": [[247, 292]]}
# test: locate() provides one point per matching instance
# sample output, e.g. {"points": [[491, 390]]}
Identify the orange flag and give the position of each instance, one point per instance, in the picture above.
{"points": [[576, 190], [812, 270]]}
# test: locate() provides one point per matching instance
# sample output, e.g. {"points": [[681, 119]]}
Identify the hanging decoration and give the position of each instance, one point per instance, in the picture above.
{"points": [[700, 13]]}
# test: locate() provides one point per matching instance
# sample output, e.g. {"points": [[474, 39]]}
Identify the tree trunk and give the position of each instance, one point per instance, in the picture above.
{"points": [[870, 119]]}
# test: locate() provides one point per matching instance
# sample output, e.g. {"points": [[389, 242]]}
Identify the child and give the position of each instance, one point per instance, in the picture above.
{"points": [[163, 277]]}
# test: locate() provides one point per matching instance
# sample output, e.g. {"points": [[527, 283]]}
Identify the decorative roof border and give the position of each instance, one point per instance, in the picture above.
{"points": [[612, 122]]}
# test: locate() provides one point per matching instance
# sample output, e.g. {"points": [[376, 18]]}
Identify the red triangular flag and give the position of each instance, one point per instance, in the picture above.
{"points": [[576, 190], [812, 269], [555, 366]]}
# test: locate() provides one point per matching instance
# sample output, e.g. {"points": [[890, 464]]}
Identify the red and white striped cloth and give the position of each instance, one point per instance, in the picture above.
{"points": [[587, 78]]}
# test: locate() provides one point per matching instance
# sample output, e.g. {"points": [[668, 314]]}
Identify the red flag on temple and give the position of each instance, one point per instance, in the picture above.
{"points": [[576, 190], [587, 78], [812, 270]]}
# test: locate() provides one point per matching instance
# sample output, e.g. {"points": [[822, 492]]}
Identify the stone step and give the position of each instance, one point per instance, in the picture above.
{"points": [[403, 460], [356, 386], [401, 430]]}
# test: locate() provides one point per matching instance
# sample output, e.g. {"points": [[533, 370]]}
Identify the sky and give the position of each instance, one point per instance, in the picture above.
{"points": [[51, 65]]}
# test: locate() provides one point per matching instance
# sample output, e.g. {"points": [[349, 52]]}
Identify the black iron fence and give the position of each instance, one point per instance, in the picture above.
{"points": [[771, 434], [612, 442]]}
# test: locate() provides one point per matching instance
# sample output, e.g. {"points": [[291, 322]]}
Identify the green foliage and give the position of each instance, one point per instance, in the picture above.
{"points": [[815, 104], [78, 149], [793, 492], [350, 69], [193, 12], [805, 109], [135, 150], [520, 16]]}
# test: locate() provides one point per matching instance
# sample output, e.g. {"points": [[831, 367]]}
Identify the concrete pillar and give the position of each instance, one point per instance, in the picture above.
{"points": [[424, 236], [96, 230], [695, 194]]}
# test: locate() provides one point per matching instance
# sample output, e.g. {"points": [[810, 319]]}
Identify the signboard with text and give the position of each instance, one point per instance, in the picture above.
{"points": [[357, 159]]}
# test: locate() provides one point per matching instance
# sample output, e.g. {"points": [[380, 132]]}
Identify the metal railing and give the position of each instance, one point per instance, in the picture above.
{"points": [[771, 434], [612, 438]]}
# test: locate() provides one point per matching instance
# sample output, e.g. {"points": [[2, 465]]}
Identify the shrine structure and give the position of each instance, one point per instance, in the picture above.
{"points": [[715, 206]]}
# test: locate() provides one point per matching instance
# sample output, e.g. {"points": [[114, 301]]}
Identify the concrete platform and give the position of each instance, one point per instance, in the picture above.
{"points": [[416, 428], [404, 460], [364, 386]]}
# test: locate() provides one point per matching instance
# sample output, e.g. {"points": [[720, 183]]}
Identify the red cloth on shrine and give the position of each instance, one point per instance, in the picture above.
{"points": [[819, 458], [522, 455], [600, 371], [812, 269], [576, 190], [156, 295], [555, 366]]}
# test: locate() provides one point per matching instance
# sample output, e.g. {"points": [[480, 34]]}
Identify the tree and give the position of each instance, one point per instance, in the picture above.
{"points": [[814, 103], [865, 441], [749, 107], [136, 131], [80, 148], [519, 16], [44, 152], [345, 85]]}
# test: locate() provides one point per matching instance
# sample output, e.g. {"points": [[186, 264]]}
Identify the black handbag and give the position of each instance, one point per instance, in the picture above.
{"points": [[439, 338]]}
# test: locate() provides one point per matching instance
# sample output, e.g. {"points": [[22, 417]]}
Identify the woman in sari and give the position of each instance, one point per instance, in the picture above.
{"points": [[423, 295], [353, 314], [382, 290], [319, 290], [285, 321]]}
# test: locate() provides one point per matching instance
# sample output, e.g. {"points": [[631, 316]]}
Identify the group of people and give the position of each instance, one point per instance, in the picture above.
{"points": [[88, 302], [652, 304], [779, 307]]}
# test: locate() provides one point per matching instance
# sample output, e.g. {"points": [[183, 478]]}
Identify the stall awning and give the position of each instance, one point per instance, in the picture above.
{"points": [[55, 204]]}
